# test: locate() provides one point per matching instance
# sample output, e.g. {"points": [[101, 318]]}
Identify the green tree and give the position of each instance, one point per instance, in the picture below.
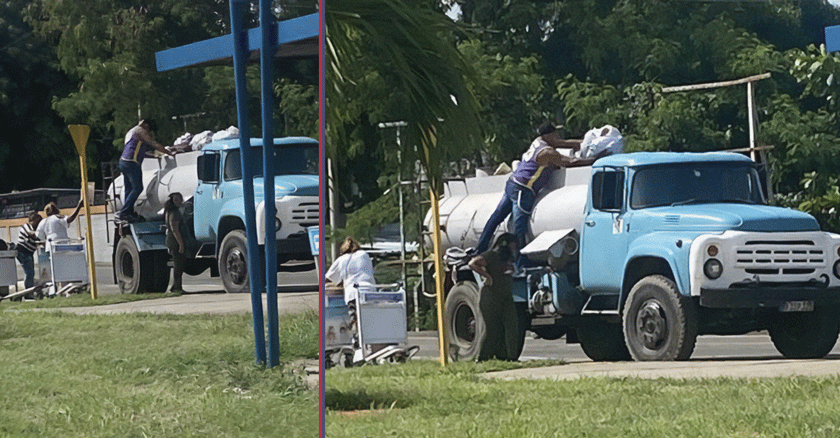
{"points": [[92, 62], [412, 52], [34, 143], [508, 95]]}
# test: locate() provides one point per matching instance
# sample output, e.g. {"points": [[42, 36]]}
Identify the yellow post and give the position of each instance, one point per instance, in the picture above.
{"points": [[80, 135], [439, 273]]}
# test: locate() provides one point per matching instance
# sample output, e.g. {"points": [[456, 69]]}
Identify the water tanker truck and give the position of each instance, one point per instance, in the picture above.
{"points": [[210, 180], [637, 255]]}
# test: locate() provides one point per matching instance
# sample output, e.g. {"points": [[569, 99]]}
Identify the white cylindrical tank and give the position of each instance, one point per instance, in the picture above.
{"points": [[161, 176], [466, 206]]}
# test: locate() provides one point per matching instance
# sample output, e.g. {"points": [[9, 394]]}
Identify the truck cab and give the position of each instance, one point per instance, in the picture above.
{"points": [[698, 227], [219, 220]]}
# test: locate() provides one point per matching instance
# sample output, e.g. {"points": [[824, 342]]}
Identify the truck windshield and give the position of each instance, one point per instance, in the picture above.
{"points": [[295, 159], [690, 183]]}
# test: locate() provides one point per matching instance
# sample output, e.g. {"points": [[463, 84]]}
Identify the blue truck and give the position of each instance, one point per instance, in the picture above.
{"points": [[211, 182], [669, 246]]}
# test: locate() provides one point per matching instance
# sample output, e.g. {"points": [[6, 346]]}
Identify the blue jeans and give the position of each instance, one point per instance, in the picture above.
{"points": [[518, 201], [27, 262], [133, 186]]}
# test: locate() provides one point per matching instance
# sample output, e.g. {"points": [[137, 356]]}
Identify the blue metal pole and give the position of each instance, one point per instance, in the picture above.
{"points": [[269, 44], [240, 56]]}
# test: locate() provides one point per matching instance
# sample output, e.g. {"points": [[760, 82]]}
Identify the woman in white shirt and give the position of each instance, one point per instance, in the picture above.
{"points": [[351, 268], [55, 226]]}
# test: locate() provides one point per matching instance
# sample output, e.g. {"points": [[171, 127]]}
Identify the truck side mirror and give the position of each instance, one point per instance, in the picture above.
{"points": [[207, 166], [608, 190]]}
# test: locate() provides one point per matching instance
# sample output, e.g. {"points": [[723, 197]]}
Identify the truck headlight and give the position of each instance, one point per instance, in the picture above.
{"points": [[277, 224], [713, 269], [837, 269], [712, 250]]}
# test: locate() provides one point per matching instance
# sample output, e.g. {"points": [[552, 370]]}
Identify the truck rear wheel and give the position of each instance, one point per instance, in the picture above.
{"points": [[659, 322], [549, 332], [133, 276], [465, 326], [160, 280], [602, 341], [523, 322], [233, 263], [806, 335]]}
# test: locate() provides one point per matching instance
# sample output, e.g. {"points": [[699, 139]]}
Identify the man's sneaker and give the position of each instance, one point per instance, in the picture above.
{"points": [[131, 218]]}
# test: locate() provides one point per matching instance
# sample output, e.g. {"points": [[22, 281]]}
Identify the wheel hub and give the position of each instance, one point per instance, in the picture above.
{"points": [[651, 325], [127, 265], [235, 263], [464, 324]]}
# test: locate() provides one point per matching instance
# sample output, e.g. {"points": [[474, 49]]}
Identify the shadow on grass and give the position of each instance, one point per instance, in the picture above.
{"points": [[364, 399]]}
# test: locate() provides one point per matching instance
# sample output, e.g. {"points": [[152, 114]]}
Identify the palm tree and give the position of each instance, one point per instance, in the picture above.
{"points": [[422, 61]]}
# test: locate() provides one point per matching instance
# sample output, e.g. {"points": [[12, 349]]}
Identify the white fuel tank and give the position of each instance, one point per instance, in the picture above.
{"points": [[161, 176], [466, 206]]}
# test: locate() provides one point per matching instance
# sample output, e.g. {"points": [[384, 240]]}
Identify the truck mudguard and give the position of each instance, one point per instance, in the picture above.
{"points": [[673, 248]]}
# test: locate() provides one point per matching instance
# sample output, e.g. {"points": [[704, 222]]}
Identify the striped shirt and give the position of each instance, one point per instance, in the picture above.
{"points": [[135, 148], [27, 242]]}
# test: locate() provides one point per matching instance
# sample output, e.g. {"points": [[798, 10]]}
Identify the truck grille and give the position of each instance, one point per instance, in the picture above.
{"points": [[305, 213], [780, 257]]}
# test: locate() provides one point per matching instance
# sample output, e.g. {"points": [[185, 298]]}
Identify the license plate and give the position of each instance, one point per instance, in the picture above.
{"points": [[797, 306]]}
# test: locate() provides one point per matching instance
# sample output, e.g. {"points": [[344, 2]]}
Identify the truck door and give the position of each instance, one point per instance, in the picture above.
{"points": [[206, 196], [604, 235]]}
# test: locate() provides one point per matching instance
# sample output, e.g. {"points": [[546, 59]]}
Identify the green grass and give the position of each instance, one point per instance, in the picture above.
{"points": [[138, 375], [83, 299], [421, 399]]}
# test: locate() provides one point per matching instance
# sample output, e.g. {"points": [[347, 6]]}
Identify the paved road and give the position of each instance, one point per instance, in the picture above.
{"points": [[298, 293], [751, 355]]}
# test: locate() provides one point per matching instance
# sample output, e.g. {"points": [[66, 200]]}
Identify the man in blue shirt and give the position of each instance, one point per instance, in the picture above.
{"points": [[523, 185], [132, 156]]}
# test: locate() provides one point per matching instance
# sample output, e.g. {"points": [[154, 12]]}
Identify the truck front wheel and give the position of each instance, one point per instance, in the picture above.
{"points": [[659, 322], [602, 341], [233, 262], [806, 335]]}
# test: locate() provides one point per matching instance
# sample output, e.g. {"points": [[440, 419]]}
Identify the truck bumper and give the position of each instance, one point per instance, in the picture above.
{"points": [[767, 297], [294, 244]]}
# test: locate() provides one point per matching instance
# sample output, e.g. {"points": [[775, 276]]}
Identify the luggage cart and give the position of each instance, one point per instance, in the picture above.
{"points": [[381, 322], [338, 329], [8, 270], [65, 266], [68, 264], [379, 333]]}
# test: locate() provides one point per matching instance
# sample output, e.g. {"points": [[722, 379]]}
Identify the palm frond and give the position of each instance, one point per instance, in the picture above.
{"points": [[422, 63]]}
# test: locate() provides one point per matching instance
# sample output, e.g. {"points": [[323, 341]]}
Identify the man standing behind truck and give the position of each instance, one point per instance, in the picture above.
{"points": [[534, 171], [132, 156]]}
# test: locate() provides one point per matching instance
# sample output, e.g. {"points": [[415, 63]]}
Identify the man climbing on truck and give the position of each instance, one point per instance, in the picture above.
{"points": [[132, 156], [521, 189]]}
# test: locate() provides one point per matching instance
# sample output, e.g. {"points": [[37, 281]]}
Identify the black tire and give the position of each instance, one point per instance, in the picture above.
{"points": [[133, 273], [602, 341], [806, 335], [523, 323], [196, 266], [160, 281], [233, 263], [464, 324], [659, 323], [549, 332]]}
